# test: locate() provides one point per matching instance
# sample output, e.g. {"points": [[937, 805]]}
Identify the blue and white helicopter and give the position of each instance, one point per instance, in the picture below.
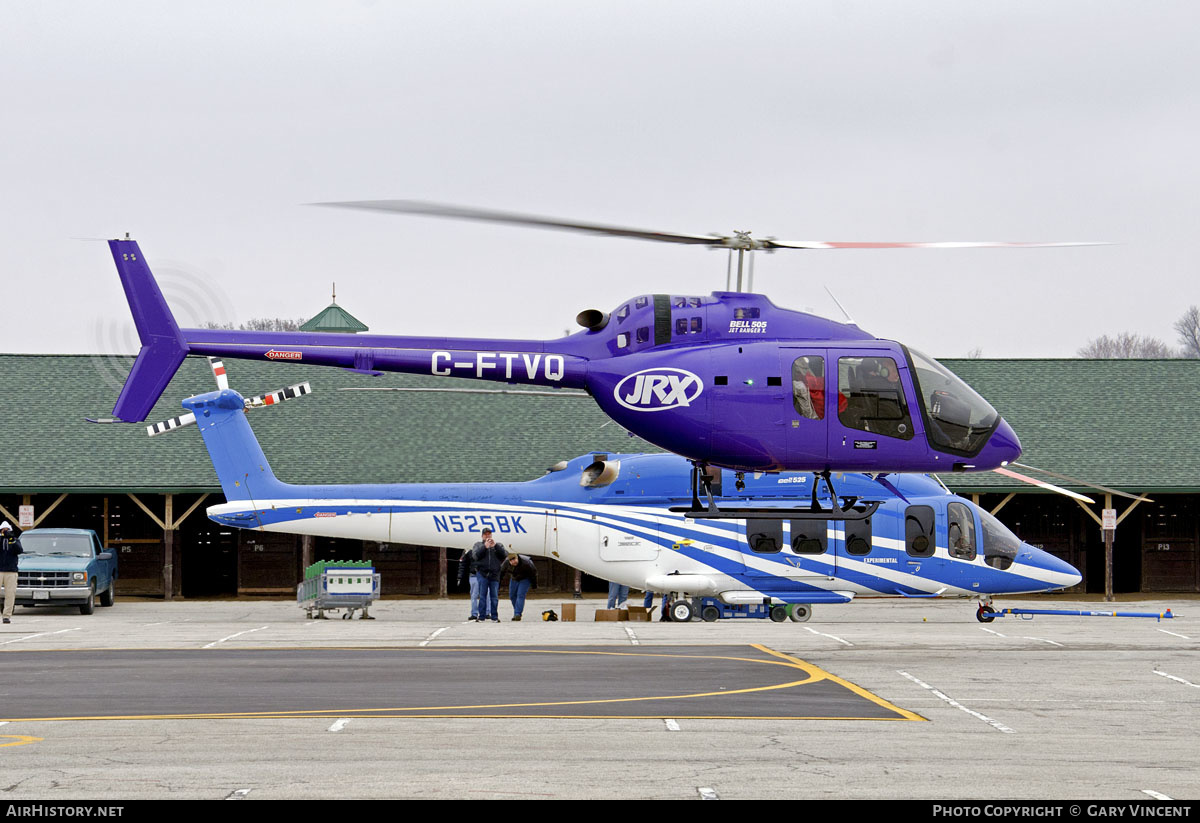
{"points": [[624, 517]]}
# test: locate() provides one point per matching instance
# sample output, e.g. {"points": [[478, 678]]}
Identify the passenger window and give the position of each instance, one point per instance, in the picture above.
{"points": [[961, 531], [858, 536], [918, 531], [872, 397], [810, 536], [681, 325], [808, 386], [745, 313], [697, 325], [764, 536]]}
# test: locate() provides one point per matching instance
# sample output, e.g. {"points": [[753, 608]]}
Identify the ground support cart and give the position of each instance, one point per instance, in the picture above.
{"points": [[330, 587]]}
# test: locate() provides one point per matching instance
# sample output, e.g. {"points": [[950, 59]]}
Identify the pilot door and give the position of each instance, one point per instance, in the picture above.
{"points": [[869, 413], [789, 551]]}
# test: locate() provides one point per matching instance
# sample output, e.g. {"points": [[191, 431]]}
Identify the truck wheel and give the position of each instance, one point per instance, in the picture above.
{"points": [[779, 613], [109, 595], [710, 614], [90, 605]]}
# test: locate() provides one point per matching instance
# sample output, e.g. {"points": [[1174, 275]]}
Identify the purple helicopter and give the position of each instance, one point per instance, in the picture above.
{"points": [[728, 379]]}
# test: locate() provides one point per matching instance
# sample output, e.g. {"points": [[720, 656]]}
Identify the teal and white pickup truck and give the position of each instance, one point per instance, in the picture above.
{"points": [[65, 567]]}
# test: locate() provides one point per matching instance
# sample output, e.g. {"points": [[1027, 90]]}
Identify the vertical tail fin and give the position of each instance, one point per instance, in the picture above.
{"points": [[163, 346], [237, 457]]}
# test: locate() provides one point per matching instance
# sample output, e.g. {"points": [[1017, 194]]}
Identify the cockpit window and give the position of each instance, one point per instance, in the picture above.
{"points": [[643, 334], [641, 302], [622, 313], [999, 544], [874, 397], [959, 419], [961, 529]]}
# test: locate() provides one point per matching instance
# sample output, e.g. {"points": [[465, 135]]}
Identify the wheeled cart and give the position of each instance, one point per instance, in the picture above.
{"points": [[330, 587]]}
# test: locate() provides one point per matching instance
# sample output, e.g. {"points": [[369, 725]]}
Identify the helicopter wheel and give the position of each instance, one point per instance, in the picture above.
{"points": [[801, 612], [985, 614], [681, 611]]}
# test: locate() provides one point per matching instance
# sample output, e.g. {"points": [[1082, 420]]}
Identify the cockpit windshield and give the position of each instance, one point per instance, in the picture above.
{"points": [[999, 544], [959, 419]]}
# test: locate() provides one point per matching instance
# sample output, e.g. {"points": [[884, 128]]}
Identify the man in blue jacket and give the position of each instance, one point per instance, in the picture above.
{"points": [[10, 547]]}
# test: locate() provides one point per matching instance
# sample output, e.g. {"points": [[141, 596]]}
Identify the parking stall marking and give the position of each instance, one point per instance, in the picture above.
{"points": [[996, 724]]}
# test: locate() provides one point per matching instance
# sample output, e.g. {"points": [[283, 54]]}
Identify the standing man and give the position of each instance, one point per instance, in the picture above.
{"points": [[10, 547], [467, 577], [522, 576], [489, 562]]}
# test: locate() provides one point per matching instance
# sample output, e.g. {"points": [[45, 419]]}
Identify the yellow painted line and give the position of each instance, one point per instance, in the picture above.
{"points": [[813, 674], [19, 740], [820, 673]]}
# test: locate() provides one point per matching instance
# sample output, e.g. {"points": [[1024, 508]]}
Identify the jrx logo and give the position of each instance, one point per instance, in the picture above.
{"points": [[658, 389]]}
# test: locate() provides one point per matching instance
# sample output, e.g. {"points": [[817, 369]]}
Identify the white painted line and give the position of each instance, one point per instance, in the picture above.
{"points": [[830, 636], [707, 793], [993, 631], [340, 724], [40, 634], [632, 637], [942, 696], [425, 642], [672, 726], [230, 637], [1156, 795], [239, 794], [1177, 679], [1043, 640], [1173, 634]]}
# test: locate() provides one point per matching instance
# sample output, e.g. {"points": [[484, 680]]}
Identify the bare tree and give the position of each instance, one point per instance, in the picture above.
{"points": [[1188, 329], [1125, 345], [260, 324]]}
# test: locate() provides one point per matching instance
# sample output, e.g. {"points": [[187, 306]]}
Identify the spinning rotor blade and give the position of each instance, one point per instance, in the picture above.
{"points": [[740, 240], [272, 398], [488, 215], [1043, 484]]}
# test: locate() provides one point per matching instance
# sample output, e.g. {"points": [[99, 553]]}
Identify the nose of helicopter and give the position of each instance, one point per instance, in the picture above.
{"points": [[1053, 571], [1001, 448]]}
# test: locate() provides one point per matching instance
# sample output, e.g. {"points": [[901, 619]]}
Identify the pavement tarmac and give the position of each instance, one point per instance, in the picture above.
{"points": [[248, 699]]}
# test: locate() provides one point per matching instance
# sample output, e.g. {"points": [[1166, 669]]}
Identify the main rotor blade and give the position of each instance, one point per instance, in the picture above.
{"points": [[488, 215], [1069, 479], [1043, 484], [772, 243]]}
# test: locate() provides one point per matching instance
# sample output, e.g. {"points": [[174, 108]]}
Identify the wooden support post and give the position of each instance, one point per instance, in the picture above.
{"points": [[443, 569]]}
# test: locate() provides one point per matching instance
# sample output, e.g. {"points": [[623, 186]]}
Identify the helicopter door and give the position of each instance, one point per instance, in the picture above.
{"points": [[871, 425], [788, 550], [806, 406]]}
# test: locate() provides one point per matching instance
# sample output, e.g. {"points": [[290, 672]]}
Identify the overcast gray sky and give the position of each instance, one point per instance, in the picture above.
{"points": [[201, 128]]}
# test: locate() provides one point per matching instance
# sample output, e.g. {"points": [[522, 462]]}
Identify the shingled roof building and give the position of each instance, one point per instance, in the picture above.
{"points": [[1130, 425]]}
